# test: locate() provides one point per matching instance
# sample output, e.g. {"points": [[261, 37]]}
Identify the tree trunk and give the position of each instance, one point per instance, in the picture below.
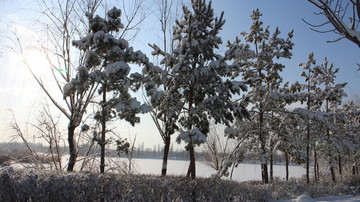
{"points": [[340, 165], [103, 131], [165, 157], [287, 165], [318, 171], [353, 169], [332, 170], [271, 167], [308, 133], [308, 154], [264, 168], [191, 170], [264, 173], [72, 147], [316, 177]]}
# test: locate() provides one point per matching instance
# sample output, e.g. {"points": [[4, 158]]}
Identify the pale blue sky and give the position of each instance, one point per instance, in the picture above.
{"points": [[19, 92]]}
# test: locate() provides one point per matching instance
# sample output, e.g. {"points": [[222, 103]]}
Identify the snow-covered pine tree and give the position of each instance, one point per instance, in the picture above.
{"points": [[287, 140], [261, 68], [348, 117], [332, 95], [198, 88], [106, 64], [307, 93], [320, 94]]}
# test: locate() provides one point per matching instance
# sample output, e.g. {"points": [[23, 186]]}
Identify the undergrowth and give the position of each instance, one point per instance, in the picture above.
{"points": [[37, 185]]}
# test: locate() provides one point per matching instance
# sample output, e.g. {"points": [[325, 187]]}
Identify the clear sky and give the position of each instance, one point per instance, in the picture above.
{"points": [[19, 92]]}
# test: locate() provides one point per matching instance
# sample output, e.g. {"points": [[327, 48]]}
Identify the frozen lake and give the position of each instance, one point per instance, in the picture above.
{"points": [[243, 172]]}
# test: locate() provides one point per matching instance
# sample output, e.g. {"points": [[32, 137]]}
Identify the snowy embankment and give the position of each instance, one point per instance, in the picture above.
{"points": [[36, 185]]}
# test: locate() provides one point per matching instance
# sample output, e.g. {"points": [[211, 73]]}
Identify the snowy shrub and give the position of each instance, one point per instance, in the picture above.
{"points": [[35, 185], [38, 185]]}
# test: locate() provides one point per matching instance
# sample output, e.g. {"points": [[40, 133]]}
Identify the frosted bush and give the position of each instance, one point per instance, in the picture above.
{"points": [[39, 185]]}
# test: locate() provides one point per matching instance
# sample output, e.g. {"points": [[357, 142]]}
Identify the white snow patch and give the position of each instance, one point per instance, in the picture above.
{"points": [[68, 88], [117, 66], [305, 198], [195, 135]]}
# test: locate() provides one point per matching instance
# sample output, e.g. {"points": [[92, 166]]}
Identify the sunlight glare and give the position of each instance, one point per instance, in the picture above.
{"points": [[37, 62]]}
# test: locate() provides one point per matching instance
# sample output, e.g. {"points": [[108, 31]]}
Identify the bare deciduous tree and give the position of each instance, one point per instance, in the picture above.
{"points": [[163, 123], [61, 22], [343, 16], [216, 148], [48, 129], [33, 157]]}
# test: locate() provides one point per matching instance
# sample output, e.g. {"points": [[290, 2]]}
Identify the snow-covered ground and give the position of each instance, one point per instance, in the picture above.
{"points": [[305, 198]]}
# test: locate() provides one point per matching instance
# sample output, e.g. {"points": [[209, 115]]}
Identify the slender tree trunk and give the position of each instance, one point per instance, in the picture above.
{"points": [[72, 147], [264, 173], [264, 168], [165, 157], [192, 169], [103, 131], [271, 166], [331, 160], [315, 166], [340, 165], [190, 146], [308, 154], [332, 170], [287, 165], [354, 169], [308, 133], [318, 171], [232, 171]]}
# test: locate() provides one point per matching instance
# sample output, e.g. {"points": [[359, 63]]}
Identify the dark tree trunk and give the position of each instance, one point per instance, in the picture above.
{"points": [[264, 168], [332, 170], [72, 147], [191, 170], [318, 171], [103, 131], [340, 165], [264, 173], [308, 133], [190, 146], [271, 167], [287, 165], [353, 169], [315, 166], [308, 154], [165, 157]]}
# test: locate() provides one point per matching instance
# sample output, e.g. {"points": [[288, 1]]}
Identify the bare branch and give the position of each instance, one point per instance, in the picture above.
{"points": [[336, 15]]}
